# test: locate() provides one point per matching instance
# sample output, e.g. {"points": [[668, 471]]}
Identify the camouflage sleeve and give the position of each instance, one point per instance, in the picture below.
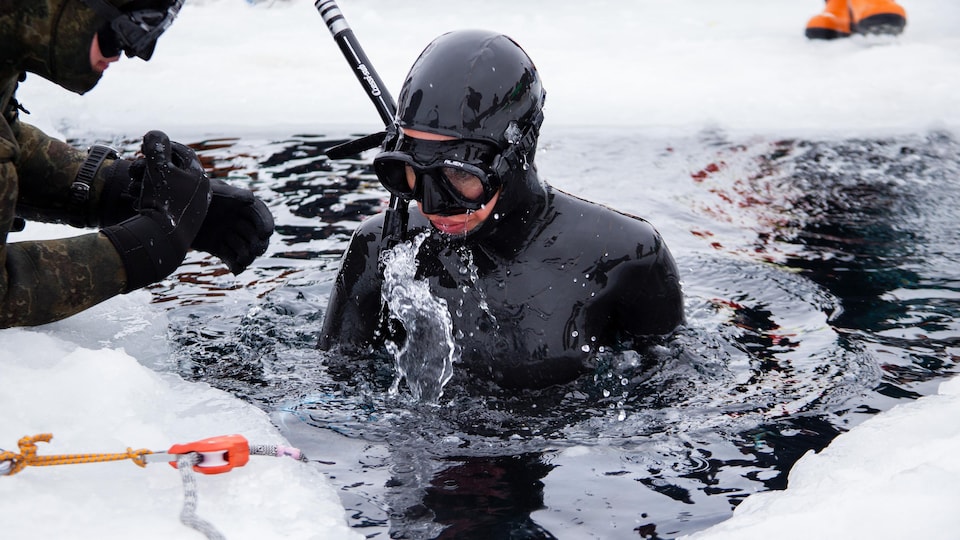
{"points": [[44, 281], [47, 168]]}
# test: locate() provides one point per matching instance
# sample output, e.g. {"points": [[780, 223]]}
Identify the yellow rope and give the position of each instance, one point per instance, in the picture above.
{"points": [[28, 455]]}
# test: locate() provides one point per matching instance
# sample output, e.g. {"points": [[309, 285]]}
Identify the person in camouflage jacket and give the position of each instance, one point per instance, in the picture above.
{"points": [[150, 210]]}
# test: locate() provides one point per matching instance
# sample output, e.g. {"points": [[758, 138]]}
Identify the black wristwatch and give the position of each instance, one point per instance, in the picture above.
{"points": [[80, 189]]}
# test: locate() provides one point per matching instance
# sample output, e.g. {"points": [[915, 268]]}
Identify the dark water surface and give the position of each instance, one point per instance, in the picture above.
{"points": [[822, 280]]}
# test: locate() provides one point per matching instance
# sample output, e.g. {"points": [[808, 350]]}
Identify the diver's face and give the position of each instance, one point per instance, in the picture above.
{"points": [[468, 185], [98, 62]]}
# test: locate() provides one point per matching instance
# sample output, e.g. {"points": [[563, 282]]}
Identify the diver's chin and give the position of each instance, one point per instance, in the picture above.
{"points": [[79, 84]]}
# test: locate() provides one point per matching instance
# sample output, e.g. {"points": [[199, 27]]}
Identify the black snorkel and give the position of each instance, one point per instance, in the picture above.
{"points": [[396, 215]]}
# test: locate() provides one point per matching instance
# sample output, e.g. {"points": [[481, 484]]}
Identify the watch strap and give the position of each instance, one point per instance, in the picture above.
{"points": [[80, 189]]}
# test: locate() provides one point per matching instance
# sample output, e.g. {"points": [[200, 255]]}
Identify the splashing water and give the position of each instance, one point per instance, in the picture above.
{"points": [[470, 269], [425, 360]]}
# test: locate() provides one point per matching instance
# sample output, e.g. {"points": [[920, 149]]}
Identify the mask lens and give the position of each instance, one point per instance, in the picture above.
{"points": [[465, 183], [137, 31], [455, 172], [391, 169], [107, 40]]}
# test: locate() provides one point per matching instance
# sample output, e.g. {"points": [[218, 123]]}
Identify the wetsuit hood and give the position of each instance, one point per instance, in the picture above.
{"points": [[52, 38], [472, 84], [482, 86]]}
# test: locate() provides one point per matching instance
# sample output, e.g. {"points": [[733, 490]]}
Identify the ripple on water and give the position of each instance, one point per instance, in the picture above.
{"points": [[818, 290]]}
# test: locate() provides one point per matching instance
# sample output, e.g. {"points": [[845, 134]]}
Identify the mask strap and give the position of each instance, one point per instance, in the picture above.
{"points": [[515, 156]]}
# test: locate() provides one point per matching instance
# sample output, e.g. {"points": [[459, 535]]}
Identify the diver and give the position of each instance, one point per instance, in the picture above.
{"points": [[537, 281], [150, 210]]}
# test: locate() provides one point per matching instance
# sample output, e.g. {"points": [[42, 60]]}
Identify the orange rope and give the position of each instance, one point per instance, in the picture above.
{"points": [[28, 455]]}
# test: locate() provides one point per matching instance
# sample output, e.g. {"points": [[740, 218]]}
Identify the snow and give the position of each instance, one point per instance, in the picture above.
{"points": [[104, 401], [892, 476], [743, 66], [227, 67]]}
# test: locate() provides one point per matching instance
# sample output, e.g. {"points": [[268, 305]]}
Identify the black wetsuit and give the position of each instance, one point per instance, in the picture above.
{"points": [[557, 278]]}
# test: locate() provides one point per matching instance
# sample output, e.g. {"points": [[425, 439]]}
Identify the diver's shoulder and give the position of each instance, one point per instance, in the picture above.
{"points": [[588, 212], [597, 228], [373, 223]]}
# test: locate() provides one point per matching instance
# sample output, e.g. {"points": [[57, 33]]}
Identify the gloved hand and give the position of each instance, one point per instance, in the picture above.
{"points": [[238, 225], [121, 191], [237, 228], [172, 204]]}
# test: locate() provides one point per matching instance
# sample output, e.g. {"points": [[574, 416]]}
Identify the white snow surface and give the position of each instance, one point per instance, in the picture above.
{"points": [[103, 401], [228, 67]]}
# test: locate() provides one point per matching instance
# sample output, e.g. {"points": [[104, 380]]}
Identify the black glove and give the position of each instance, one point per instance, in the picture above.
{"points": [[237, 228], [173, 200], [121, 191]]}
